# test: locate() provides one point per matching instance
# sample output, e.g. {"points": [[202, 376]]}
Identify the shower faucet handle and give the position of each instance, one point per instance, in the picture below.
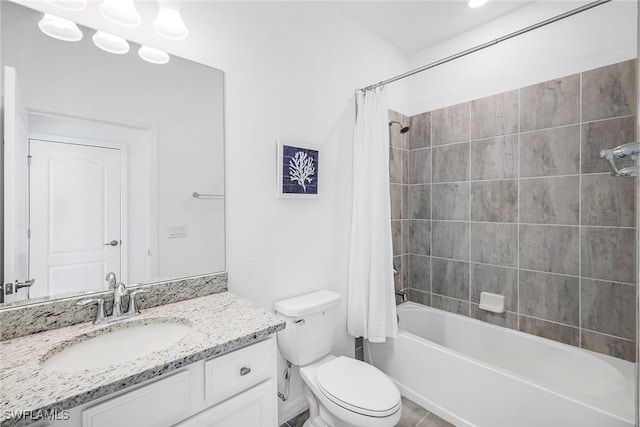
{"points": [[632, 149]]}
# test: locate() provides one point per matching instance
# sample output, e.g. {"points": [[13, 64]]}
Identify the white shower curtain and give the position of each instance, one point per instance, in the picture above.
{"points": [[371, 302]]}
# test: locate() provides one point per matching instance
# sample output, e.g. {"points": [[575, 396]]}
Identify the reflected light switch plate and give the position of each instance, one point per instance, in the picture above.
{"points": [[177, 231]]}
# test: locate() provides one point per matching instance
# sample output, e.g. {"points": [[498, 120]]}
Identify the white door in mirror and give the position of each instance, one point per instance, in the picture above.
{"points": [[75, 200]]}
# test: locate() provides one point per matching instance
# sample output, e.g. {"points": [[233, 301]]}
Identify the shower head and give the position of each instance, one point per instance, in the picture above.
{"points": [[403, 129]]}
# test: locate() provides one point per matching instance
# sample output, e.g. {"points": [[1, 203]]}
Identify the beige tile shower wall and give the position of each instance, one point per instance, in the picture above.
{"points": [[507, 194]]}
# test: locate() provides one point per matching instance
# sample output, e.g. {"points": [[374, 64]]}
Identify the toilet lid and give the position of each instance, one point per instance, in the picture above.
{"points": [[358, 386]]}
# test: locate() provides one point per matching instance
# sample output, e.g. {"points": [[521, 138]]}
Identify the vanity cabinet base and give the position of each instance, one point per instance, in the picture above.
{"points": [[234, 389]]}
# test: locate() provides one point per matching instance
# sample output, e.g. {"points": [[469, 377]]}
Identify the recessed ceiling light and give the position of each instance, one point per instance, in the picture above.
{"points": [[73, 5], [474, 4], [110, 43], [121, 12], [152, 55], [169, 22], [60, 28]]}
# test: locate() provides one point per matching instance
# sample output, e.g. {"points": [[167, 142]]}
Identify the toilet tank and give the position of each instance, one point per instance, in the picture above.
{"points": [[311, 323]]}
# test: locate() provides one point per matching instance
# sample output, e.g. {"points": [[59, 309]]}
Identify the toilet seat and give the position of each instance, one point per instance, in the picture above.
{"points": [[358, 387]]}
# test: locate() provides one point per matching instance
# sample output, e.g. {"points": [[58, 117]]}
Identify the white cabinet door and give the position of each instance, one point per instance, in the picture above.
{"points": [[158, 404], [255, 407]]}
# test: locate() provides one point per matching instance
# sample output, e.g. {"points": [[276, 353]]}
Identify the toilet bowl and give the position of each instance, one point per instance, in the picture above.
{"points": [[341, 391], [350, 393]]}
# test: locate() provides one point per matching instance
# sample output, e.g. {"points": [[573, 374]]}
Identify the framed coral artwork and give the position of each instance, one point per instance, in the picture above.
{"points": [[297, 171]]}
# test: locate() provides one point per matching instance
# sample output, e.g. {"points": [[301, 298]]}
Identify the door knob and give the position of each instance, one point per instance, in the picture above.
{"points": [[112, 243], [25, 284], [10, 288]]}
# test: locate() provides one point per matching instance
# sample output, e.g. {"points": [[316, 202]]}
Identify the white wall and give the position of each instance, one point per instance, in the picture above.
{"points": [[291, 74], [598, 37], [291, 69]]}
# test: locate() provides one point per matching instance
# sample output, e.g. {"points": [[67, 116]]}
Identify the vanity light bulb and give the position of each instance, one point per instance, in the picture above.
{"points": [[169, 22], [121, 12], [110, 43], [72, 5], [474, 4], [152, 55], [60, 28]]}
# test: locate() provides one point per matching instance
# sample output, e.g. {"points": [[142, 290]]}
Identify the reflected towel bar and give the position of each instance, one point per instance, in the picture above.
{"points": [[208, 196]]}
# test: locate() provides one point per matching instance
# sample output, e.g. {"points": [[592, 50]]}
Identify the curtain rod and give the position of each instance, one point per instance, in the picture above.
{"points": [[489, 44]]}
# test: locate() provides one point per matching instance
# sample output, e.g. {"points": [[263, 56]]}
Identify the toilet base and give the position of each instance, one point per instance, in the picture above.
{"points": [[320, 416]]}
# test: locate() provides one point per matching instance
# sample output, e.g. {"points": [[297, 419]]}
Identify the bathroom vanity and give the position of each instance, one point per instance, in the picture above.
{"points": [[220, 371]]}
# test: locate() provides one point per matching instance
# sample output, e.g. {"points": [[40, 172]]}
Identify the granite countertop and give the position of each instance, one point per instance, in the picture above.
{"points": [[220, 323]]}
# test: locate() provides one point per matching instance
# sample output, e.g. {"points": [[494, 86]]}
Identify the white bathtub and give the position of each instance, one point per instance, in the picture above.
{"points": [[472, 373]]}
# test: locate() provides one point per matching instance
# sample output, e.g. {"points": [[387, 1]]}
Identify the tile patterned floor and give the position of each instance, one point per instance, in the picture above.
{"points": [[413, 415]]}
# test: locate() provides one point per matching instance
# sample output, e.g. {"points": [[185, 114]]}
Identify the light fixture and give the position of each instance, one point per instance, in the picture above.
{"points": [[474, 4], [152, 55], [110, 43], [169, 22], [60, 28], [72, 5], [121, 12]]}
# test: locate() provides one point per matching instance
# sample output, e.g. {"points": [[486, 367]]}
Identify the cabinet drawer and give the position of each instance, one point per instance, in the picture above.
{"points": [[160, 403], [233, 373]]}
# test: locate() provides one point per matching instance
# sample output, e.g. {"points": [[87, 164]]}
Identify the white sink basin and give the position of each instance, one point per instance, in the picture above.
{"points": [[125, 342]]}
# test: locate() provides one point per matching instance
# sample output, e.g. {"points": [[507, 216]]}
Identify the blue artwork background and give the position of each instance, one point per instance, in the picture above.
{"points": [[292, 187]]}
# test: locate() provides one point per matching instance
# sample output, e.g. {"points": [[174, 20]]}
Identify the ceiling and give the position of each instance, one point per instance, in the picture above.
{"points": [[415, 25]]}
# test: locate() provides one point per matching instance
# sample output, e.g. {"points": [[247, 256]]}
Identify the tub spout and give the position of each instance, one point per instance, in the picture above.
{"points": [[402, 294]]}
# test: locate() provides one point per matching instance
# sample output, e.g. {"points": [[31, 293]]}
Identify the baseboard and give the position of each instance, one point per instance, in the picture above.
{"points": [[291, 409]]}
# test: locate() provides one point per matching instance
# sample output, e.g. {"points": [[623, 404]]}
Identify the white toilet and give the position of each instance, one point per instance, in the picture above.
{"points": [[341, 391]]}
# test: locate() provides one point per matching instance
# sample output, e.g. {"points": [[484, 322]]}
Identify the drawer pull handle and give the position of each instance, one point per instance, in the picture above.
{"points": [[244, 371]]}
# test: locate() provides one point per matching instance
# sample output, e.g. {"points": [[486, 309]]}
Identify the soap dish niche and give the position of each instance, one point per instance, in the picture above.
{"points": [[492, 302]]}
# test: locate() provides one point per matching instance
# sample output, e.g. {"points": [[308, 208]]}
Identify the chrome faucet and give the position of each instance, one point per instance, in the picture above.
{"points": [[119, 291]]}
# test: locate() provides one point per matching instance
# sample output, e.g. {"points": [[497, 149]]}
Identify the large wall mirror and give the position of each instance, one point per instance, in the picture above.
{"points": [[103, 154]]}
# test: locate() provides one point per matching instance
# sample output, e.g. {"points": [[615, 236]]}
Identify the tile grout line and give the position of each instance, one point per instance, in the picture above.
{"points": [[608, 335], [404, 178], [404, 271], [541, 177], [520, 131], [421, 419], [431, 209], [580, 218], [533, 224], [529, 270], [469, 220], [518, 226]]}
